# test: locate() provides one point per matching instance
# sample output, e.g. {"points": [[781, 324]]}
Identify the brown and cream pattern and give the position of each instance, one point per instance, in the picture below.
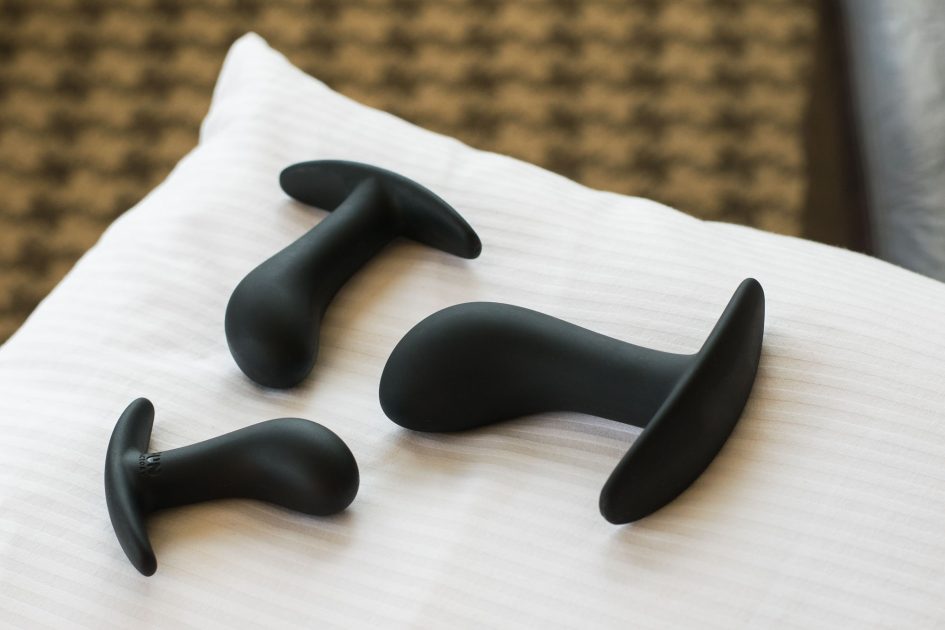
{"points": [[694, 103]]}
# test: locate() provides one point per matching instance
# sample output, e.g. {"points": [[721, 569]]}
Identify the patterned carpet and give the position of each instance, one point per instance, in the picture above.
{"points": [[695, 103]]}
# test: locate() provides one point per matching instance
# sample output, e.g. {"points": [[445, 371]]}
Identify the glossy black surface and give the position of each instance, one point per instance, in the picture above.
{"points": [[274, 314], [475, 364], [291, 462]]}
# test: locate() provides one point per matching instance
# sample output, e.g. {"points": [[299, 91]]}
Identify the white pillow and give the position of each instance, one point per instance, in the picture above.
{"points": [[825, 508]]}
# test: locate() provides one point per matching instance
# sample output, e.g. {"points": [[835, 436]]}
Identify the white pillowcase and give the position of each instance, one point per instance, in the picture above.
{"points": [[825, 508]]}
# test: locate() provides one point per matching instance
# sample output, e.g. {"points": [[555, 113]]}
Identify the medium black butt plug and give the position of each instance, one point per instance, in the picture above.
{"points": [[273, 316], [291, 462], [474, 364]]}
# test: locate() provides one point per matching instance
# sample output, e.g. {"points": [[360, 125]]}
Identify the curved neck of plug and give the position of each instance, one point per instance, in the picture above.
{"points": [[330, 253]]}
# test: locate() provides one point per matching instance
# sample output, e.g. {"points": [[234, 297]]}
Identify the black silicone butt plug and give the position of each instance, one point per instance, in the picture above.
{"points": [[291, 462], [474, 364], [273, 316]]}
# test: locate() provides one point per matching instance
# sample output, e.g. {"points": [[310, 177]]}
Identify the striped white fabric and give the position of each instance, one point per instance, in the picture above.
{"points": [[825, 508]]}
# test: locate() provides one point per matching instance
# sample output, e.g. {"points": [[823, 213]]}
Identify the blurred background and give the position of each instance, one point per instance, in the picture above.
{"points": [[730, 110]]}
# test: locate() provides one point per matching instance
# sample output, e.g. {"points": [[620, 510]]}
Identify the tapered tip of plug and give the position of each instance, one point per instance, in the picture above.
{"points": [[273, 340], [146, 565], [324, 477], [415, 211]]}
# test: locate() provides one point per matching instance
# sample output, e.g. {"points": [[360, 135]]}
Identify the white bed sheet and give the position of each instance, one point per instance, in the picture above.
{"points": [[825, 508]]}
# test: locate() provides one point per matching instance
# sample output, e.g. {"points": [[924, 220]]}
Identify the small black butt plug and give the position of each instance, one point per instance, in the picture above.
{"points": [[475, 364], [290, 462], [274, 314]]}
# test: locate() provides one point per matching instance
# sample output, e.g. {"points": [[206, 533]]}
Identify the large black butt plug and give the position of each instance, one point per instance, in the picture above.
{"points": [[273, 316], [291, 462], [474, 364]]}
